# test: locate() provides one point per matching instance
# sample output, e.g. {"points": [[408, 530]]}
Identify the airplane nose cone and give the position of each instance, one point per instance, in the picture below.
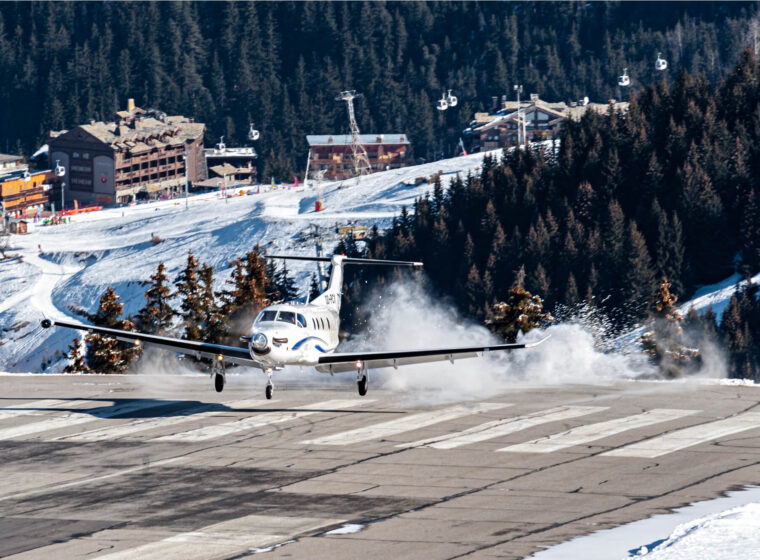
{"points": [[260, 344]]}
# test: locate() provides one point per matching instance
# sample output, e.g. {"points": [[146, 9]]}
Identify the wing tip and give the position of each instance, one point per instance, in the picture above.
{"points": [[534, 344]]}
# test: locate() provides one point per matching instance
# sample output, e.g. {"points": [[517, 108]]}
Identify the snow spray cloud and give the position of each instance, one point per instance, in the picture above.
{"points": [[404, 316]]}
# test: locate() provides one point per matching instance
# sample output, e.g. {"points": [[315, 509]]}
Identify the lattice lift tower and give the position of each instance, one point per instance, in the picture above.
{"points": [[361, 159]]}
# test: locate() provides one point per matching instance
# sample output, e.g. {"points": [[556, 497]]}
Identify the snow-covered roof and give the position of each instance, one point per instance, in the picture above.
{"points": [[9, 157], [365, 139]]}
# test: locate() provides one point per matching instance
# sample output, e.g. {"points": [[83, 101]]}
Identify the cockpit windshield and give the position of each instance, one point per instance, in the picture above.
{"points": [[301, 320], [287, 317], [266, 316]]}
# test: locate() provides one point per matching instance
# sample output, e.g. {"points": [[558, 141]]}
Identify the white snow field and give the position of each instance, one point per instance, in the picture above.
{"points": [[113, 247], [726, 528]]}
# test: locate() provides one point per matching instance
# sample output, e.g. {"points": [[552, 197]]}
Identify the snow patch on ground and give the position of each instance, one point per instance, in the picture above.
{"points": [[726, 528]]}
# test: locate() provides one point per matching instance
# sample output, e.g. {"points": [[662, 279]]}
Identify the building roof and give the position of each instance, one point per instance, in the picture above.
{"points": [[139, 130], [559, 110], [244, 152], [365, 139], [4, 158], [225, 169]]}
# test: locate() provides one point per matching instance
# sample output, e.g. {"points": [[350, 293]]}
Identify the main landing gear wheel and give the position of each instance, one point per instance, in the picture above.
{"points": [[219, 372], [361, 385], [219, 382]]}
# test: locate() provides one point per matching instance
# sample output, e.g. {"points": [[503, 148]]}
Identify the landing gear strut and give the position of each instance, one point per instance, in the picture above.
{"points": [[219, 374], [362, 378], [270, 385]]}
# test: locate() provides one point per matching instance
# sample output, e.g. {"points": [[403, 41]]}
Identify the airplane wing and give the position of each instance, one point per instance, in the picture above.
{"points": [[189, 347], [336, 363]]}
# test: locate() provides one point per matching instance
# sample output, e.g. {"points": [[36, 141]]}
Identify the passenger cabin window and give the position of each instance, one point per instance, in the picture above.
{"points": [[266, 316], [287, 317], [301, 320]]}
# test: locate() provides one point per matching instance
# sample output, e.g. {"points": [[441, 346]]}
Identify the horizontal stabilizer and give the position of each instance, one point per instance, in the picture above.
{"points": [[348, 260]]}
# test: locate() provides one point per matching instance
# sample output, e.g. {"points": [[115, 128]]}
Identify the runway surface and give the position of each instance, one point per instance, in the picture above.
{"points": [[117, 467]]}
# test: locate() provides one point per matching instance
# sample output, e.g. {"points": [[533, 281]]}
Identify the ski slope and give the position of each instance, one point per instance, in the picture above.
{"points": [[113, 247]]}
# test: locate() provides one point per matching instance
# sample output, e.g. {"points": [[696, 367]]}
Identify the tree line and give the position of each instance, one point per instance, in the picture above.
{"points": [[667, 189], [192, 310], [281, 64]]}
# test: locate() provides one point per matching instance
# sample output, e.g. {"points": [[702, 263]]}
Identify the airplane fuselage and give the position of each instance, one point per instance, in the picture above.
{"points": [[293, 334]]}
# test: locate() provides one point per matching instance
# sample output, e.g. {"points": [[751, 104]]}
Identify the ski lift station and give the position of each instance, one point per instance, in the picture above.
{"points": [[334, 153]]}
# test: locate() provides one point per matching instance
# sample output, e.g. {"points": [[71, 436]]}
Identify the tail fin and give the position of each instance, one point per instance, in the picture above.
{"points": [[331, 298]]}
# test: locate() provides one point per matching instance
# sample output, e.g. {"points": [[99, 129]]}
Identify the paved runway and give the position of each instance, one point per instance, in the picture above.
{"points": [[116, 467]]}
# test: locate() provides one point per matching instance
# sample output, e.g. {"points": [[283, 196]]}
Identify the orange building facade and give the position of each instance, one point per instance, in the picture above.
{"points": [[19, 194]]}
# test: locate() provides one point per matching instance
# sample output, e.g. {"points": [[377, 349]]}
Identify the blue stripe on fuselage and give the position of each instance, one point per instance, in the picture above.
{"points": [[298, 344]]}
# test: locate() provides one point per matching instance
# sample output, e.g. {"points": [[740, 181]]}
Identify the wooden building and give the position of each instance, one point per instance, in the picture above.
{"points": [[138, 156], [543, 121], [231, 166], [335, 155], [22, 190]]}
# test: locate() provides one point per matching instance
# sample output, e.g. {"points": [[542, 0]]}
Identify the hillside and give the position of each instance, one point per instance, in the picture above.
{"points": [[113, 247]]}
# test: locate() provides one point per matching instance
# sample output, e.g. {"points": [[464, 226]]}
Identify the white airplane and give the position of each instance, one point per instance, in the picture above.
{"points": [[299, 334]]}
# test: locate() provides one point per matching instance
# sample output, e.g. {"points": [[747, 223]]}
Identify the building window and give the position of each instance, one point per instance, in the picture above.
{"points": [[85, 155]]}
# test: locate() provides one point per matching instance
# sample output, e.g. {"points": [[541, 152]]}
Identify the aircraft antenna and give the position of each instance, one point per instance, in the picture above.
{"points": [[361, 159]]}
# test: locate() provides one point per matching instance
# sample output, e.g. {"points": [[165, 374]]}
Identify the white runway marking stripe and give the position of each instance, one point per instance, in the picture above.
{"points": [[141, 425], [687, 437], [35, 408], [591, 432], [73, 418], [222, 540], [404, 424], [259, 420], [498, 428]]}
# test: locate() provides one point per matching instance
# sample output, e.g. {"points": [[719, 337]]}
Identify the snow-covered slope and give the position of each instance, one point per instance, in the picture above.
{"points": [[113, 247]]}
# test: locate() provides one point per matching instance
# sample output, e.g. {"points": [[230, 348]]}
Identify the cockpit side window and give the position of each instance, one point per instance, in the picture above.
{"points": [[301, 320], [266, 316], [287, 317]]}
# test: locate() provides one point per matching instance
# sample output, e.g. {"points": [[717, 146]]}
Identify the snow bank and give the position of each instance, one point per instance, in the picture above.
{"points": [[726, 528]]}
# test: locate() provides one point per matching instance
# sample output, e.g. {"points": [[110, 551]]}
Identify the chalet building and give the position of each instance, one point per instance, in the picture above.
{"points": [[230, 166], [543, 121], [138, 156], [334, 154], [23, 191]]}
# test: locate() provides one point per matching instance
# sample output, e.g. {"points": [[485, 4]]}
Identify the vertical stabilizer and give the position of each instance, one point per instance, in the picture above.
{"points": [[332, 296]]}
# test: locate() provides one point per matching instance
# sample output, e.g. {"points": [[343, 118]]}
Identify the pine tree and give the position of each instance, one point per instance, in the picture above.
{"points": [[640, 277], [664, 340], [521, 312], [190, 292], [314, 288], [77, 363], [106, 354], [157, 315], [214, 325], [286, 286]]}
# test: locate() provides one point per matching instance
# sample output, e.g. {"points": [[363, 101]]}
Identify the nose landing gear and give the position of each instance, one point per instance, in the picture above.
{"points": [[362, 378], [270, 385]]}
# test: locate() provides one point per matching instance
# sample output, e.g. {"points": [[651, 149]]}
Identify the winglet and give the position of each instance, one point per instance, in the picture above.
{"points": [[534, 344]]}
